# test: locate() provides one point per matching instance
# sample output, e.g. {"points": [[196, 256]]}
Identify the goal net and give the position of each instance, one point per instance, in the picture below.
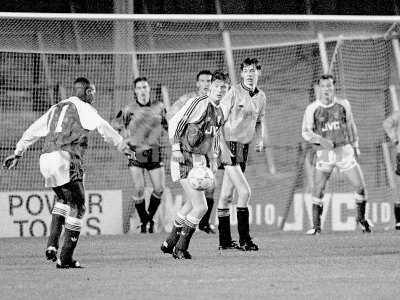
{"points": [[41, 56]]}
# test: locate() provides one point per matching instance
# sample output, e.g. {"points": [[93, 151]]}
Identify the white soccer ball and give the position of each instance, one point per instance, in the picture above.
{"points": [[201, 178]]}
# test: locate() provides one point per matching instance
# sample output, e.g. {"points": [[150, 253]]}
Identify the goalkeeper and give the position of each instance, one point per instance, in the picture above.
{"points": [[194, 132], [203, 83], [140, 123], [392, 128]]}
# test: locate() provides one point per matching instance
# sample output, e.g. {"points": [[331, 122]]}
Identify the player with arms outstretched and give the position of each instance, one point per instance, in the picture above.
{"points": [[65, 128], [194, 133], [392, 128], [329, 124], [140, 123], [203, 83]]}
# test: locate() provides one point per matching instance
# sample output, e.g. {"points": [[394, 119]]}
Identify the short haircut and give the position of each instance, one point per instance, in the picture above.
{"points": [[220, 75], [139, 79], [203, 72], [325, 77], [250, 61], [84, 81]]}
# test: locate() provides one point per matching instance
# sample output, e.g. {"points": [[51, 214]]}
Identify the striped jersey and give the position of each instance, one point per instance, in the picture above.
{"points": [[195, 127], [180, 103], [65, 126], [242, 109], [333, 121]]}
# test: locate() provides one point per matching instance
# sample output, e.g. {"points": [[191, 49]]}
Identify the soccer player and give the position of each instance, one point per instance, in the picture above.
{"points": [[392, 128], [328, 123], [244, 110], [194, 132], [65, 128], [140, 123], [203, 83]]}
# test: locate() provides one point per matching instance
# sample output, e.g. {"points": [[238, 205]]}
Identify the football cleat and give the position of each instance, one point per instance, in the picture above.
{"points": [[181, 254], [143, 227], [207, 229], [165, 249], [365, 226], [231, 245], [314, 231], [397, 226], [73, 265], [51, 253], [151, 226], [248, 246]]}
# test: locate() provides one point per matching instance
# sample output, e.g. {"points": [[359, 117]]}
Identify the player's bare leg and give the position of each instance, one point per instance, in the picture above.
{"points": [[320, 180], [157, 180], [356, 178], [193, 218], [205, 221], [138, 196]]}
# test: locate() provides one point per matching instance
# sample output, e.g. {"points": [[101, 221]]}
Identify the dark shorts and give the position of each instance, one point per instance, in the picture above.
{"points": [[397, 164], [240, 153], [148, 159], [72, 194]]}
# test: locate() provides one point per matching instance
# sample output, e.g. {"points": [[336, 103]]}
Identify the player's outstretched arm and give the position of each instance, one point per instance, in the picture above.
{"points": [[390, 126]]}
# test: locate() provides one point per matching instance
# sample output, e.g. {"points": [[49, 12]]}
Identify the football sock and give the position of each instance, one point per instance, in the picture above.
{"points": [[155, 201], [316, 213], [224, 226], [141, 210], [243, 224], [361, 210], [60, 211], [397, 212], [72, 230], [187, 232], [205, 220], [173, 237]]}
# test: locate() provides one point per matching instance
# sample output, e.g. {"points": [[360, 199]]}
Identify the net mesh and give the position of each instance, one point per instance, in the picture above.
{"points": [[40, 60]]}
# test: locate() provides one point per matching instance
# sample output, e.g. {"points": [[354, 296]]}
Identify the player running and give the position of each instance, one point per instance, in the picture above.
{"points": [[328, 123], [65, 128]]}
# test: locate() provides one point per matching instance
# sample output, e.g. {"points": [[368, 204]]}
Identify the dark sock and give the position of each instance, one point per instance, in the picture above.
{"points": [[57, 222], [70, 240], [153, 205], [361, 211], [173, 237], [141, 210], [224, 226], [185, 236], [397, 212], [205, 221], [317, 212], [243, 224]]}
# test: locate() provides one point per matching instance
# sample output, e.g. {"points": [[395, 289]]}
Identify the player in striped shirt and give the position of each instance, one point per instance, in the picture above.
{"points": [[141, 123], [244, 110], [193, 132], [65, 128], [328, 123]]}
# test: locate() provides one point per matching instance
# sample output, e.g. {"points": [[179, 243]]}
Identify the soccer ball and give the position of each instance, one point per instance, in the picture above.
{"points": [[201, 178]]}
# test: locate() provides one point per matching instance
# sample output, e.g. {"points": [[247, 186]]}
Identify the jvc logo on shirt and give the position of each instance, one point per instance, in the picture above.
{"points": [[331, 126]]}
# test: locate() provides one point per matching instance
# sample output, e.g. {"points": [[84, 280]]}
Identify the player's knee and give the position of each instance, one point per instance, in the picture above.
{"points": [[201, 209], [158, 192], [81, 209], [244, 194], [138, 193], [360, 195]]}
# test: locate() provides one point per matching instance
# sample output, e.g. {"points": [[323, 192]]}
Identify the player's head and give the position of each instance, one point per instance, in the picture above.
{"points": [[219, 86], [250, 70], [84, 90], [142, 90], [203, 81], [326, 88]]}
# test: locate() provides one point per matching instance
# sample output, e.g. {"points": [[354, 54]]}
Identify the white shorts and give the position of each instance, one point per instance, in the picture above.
{"points": [[341, 157], [181, 170], [55, 168]]}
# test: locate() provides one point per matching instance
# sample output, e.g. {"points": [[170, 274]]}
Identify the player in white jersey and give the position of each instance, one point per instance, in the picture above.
{"points": [[328, 123], [244, 109], [392, 128], [65, 128]]}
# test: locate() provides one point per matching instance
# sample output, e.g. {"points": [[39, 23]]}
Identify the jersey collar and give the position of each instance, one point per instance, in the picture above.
{"points": [[251, 93]]}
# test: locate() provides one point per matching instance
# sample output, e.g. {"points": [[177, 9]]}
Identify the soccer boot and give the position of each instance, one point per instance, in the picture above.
{"points": [[51, 253], [74, 264], [397, 226], [151, 226], [165, 249], [248, 246], [181, 254], [314, 231], [207, 229], [365, 226], [231, 245], [143, 227]]}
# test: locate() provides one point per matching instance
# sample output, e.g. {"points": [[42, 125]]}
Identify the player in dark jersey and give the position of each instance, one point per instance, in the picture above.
{"points": [[193, 132], [328, 123], [140, 123], [65, 128]]}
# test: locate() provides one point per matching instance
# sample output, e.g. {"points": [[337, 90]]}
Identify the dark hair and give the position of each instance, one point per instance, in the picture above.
{"points": [[250, 61], [203, 72], [325, 77], [220, 75], [138, 79], [85, 82]]}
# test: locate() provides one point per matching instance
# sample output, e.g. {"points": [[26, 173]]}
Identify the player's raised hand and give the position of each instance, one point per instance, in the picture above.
{"points": [[327, 144], [177, 156], [11, 161]]}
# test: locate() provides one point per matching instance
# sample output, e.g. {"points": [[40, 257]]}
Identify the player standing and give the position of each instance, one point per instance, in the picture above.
{"points": [[328, 122], [392, 128], [140, 123], [65, 127], [244, 110], [193, 132], [203, 83]]}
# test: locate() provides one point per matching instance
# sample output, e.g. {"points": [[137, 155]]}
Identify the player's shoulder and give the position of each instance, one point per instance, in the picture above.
{"points": [[262, 94], [343, 102], [188, 96], [313, 106], [79, 105]]}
